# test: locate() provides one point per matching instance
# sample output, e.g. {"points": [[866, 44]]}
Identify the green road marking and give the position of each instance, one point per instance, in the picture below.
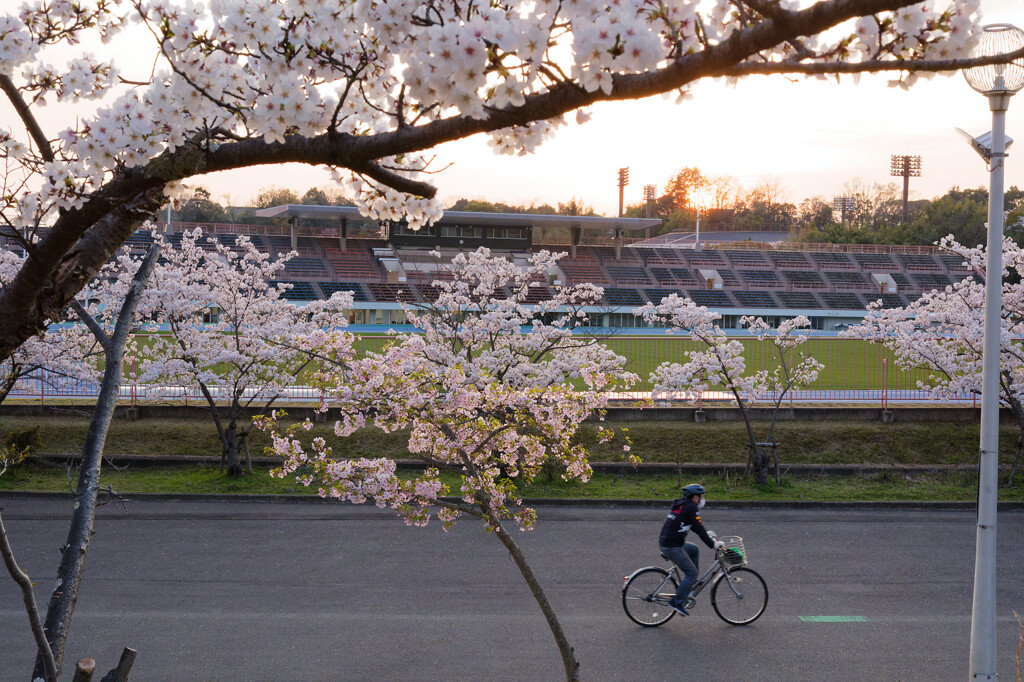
{"points": [[833, 619]]}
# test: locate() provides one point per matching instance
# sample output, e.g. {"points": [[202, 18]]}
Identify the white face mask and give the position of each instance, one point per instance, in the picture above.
{"points": [[700, 505]]}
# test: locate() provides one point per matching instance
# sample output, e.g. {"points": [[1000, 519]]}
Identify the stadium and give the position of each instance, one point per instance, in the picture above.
{"points": [[734, 274]]}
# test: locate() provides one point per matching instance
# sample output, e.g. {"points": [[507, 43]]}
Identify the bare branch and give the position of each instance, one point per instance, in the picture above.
{"points": [[25, 113], [28, 595]]}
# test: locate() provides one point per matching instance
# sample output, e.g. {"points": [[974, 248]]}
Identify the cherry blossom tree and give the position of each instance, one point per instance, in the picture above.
{"points": [[490, 393], [366, 89], [107, 310], [721, 362], [62, 351], [228, 330], [942, 333]]}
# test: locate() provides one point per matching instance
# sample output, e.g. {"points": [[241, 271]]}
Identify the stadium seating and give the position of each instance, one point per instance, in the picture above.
{"points": [[355, 262], [139, 241], [778, 276], [931, 281], [705, 259], [655, 296], [537, 294], [799, 299], [842, 300], [747, 259], [917, 261], [579, 273], [358, 293], [715, 298], [303, 266], [299, 291], [391, 293], [803, 280], [729, 278], [765, 279], [619, 296], [628, 275], [666, 256], [902, 281], [954, 263], [755, 299], [848, 280], [832, 261], [789, 259], [888, 300]]}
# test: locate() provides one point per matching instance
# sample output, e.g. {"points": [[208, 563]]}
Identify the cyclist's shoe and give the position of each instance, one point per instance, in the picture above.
{"points": [[678, 608]]}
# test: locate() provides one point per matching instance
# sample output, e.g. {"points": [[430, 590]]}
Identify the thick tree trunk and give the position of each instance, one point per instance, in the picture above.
{"points": [[76, 548], [760, 463], [232, 446], [572, 666]]}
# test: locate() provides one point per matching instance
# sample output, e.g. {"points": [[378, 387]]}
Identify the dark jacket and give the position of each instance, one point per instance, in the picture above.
{"points": [[684, 517]]}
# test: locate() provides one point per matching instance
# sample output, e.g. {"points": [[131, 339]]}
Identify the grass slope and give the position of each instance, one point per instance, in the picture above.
{"points": [[902, 443]]}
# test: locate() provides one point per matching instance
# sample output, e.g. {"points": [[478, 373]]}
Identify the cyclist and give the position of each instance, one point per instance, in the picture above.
{"points": [[684, 517]]}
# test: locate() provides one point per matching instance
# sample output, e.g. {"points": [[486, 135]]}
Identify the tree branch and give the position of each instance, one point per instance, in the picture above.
{"points": [[25, 113], [25, 583], [95, 327], [871, 66]]}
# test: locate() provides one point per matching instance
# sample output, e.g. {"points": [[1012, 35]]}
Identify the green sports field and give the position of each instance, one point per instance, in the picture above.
{"points": [[850, 364]]}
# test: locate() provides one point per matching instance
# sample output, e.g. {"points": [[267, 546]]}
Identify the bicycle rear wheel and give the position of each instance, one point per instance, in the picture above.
{"points": [[643, 605], [744, 601]]}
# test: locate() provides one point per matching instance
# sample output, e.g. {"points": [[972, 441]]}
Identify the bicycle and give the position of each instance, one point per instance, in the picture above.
{"points": [[739, 594]]}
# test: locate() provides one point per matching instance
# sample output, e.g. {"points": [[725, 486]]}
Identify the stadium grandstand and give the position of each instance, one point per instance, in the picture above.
{"points": [[386, 264]]}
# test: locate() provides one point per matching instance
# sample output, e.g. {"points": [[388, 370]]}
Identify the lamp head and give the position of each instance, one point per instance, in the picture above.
{"points": [[998, 79]]}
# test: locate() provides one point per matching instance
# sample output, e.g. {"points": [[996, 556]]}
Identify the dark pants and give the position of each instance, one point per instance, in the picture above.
{"points": [[687, 558]]}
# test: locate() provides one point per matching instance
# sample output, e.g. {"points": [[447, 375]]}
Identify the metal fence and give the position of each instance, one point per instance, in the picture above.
{"points": [[855, 372]]}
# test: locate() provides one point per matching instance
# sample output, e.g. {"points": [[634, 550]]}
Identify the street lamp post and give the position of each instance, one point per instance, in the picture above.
{"points": [[844, 206], [623, 181], [650, 194], [998, 83], [906, 167]]}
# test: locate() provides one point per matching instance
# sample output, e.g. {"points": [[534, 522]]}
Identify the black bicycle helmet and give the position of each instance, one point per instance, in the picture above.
{"points": [[693, 489]]}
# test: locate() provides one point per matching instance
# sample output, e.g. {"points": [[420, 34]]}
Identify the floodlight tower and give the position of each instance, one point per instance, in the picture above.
{"points": [[998, 83], [650, 191], [843, 205], [623, 181], [907, 167]]}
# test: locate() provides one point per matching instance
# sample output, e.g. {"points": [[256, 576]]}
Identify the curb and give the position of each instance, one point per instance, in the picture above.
{"points": [[620, 468], [881, 505]]}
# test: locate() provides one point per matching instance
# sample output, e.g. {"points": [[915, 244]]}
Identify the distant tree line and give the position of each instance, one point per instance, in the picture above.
{"points": [[876, 216]]}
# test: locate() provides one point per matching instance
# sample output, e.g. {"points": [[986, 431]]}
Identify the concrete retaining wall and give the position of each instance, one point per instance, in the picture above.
{"points": [[615, 414]]}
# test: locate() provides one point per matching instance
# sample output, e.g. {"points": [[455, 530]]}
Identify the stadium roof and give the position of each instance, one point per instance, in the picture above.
{"points": [[688, 238], [471, 217]]}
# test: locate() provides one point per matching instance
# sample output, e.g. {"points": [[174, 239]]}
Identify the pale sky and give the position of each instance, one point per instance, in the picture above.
{"points": [[811, 136]]}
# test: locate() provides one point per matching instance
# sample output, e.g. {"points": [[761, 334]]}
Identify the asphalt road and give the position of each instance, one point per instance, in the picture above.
{"points": [[258, 591]]}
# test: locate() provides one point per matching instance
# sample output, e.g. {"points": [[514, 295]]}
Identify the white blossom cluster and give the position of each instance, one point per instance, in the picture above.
{"points": [[271, 70], [67, 349], [228, 327], [488, 389], [942, 332], [721, 362]]}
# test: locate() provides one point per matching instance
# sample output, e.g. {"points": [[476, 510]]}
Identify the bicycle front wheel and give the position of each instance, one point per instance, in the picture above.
{"points": [[645, 597], [744, 600]]}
